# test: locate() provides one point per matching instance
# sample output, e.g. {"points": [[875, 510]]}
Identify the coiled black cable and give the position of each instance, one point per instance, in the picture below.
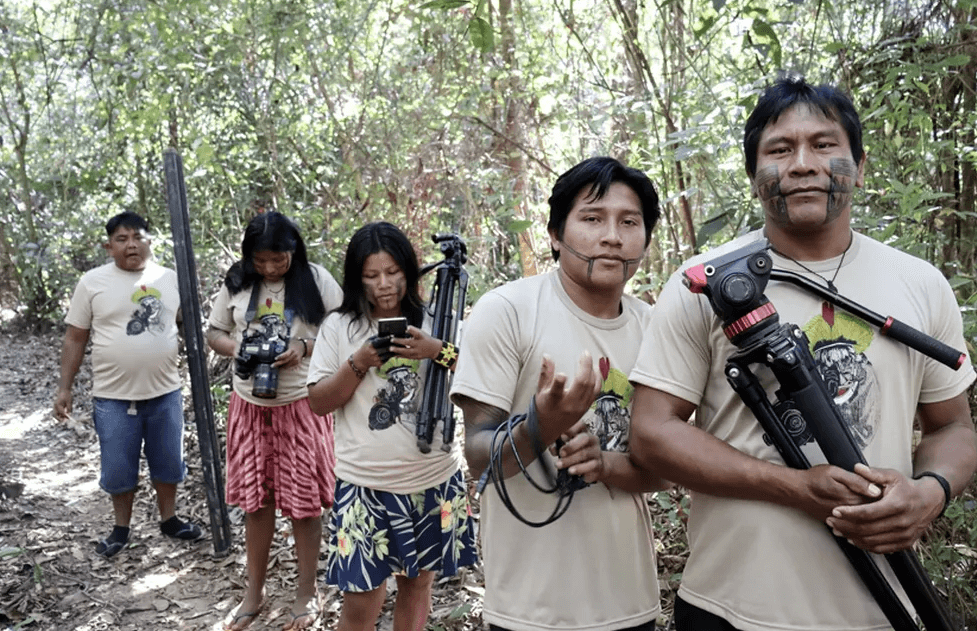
{"points": [[562, 483]]}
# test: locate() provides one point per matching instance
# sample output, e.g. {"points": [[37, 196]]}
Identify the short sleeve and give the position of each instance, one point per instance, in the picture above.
{"points": [[490, 362], [675, 355], [221, 314], [80, 308], [329, 289], [325, 361]]}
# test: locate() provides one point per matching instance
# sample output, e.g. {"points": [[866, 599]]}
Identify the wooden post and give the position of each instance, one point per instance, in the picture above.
{"points": [[203, 408]]}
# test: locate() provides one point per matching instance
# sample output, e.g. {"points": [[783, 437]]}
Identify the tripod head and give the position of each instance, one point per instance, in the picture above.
{"points": [[734, 285], [453, 249]]}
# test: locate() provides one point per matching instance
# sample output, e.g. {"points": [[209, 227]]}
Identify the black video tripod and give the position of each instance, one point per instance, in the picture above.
{"points": [[448, 298], [734, 285]]}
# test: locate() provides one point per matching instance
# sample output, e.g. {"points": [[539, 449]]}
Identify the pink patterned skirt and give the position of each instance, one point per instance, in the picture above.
{"points": [[286, 450]]}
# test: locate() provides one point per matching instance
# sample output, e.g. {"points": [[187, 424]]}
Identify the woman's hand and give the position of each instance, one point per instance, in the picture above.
{"points": [[419, 345], [292, 356], [221, 342], [367, 356]]}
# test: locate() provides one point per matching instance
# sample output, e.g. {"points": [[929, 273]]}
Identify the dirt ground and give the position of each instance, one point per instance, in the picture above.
{"points": [[52, 513]]}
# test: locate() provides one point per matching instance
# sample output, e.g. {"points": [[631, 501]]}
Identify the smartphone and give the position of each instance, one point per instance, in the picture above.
{"points": [[396, 327]]}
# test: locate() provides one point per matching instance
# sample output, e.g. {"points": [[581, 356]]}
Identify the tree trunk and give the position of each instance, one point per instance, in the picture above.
{"points": [[510, 149]]}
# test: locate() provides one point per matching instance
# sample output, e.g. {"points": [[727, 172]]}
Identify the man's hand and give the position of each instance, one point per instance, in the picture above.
{"points": [[72, 353], [581, 453], [62, 404], [896, 520], [559, 407], [826, 487]]}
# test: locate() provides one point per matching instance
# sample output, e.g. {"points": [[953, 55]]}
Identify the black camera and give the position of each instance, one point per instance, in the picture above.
{"points": [[259, 350]]}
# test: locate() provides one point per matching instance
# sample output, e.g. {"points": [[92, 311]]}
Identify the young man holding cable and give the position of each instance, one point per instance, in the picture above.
{"points": [[594, 567]]}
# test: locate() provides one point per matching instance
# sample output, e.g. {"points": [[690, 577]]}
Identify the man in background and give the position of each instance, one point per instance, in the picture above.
{"points": [[129, 308]]}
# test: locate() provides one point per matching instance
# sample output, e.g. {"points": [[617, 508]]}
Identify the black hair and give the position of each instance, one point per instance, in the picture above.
{"points": [[371, 239], [598, 174], [791, 90], [274, 232], [128, 219]]}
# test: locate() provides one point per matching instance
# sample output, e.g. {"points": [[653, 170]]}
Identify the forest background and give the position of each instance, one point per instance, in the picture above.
{"points": [[457, 116]]}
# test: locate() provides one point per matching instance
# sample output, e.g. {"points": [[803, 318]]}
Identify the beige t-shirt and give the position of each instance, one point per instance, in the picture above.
{"points": [[132, 319], [594, 568], [228, 315], [762, 566], [376, 444]]}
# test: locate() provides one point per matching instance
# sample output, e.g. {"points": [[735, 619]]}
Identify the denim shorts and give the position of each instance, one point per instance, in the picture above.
{"points": [[154, 426]]}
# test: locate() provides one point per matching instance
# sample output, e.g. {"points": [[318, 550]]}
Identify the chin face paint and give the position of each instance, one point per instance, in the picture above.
{"points": [[766, 185], [843, 174], [626, 263]]}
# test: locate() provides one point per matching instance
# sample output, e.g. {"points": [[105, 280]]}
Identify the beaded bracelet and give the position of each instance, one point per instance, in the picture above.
{"points": [[448, 355], [356, 371]]}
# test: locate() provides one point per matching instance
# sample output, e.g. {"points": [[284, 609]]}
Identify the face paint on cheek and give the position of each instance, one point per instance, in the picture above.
{"points": [[843, 173], [401, 285], [628, 263], [766, 184], [370, 293]]}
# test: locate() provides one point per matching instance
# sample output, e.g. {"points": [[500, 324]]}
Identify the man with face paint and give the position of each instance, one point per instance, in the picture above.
{"points": [[594, 568], [761, 557]]}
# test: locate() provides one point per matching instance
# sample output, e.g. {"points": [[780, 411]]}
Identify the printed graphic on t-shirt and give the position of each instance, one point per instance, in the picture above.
{"points": [[269, 321], [838, 341], [148, 316], [398, 400], [611, 421]]}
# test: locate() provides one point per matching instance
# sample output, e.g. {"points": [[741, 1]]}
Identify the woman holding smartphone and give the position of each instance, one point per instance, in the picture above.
{"points": [[397, 511]]}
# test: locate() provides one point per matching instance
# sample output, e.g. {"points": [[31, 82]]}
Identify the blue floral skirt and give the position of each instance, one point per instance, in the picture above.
{"points": [[374, 534]]}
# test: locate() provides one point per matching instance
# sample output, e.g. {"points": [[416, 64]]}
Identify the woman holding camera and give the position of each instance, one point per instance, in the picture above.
{"points": [[398, 511], [279, 453]]}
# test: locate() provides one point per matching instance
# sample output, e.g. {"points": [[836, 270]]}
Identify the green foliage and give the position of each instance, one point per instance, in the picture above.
{"points": [[669, 511], [953, 567]]}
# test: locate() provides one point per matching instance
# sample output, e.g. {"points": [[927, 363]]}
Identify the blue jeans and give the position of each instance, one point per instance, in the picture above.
{"points": [[154, 426]]}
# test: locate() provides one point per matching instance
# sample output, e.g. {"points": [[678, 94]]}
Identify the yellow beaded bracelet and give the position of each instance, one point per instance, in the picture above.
{"points": [[448, 355]]}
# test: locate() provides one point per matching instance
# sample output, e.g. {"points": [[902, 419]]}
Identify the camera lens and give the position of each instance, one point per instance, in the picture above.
{"points": [[265, 384]]}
